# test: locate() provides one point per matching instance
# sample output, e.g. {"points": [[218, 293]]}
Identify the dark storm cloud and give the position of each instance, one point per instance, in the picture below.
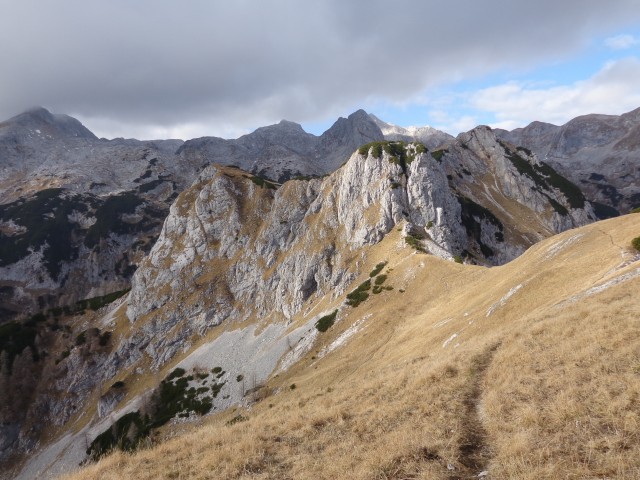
{"points": [[166, 63]]}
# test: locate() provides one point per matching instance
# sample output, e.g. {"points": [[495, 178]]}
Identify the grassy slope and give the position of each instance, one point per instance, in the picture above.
{"points": [[536, 386]]}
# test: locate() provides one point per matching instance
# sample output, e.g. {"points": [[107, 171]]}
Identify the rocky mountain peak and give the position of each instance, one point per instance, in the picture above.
{"points": [[42, 122], [427, 135], [358, 122]]}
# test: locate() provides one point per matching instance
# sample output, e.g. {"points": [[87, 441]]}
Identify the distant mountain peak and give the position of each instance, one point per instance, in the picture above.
{"points": [[428, 135], [56, 125]]}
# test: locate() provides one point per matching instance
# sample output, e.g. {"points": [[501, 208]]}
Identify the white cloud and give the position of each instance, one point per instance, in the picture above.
{"points": [[230, 66], [621, 42], [449, 122], [613, 90]]}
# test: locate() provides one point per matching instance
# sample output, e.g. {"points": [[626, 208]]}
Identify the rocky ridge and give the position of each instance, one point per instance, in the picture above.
{"points": [[597, 152], [238, 253], [66, 196], [233, 252]]}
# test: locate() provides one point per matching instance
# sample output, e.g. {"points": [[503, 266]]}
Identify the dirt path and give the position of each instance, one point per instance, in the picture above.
{"points": [[473, 449]]}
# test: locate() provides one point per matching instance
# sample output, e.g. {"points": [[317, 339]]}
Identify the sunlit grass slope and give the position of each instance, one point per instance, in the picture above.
{"points": [[526, 371]]}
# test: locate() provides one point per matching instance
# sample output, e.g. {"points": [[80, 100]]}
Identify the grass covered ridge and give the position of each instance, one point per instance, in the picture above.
{"points": [[454, 377]]}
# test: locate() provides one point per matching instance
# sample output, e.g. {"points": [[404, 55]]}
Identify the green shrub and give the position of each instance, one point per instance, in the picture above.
{"points": [[81, 339], [104, 339], [457, 258], [292, 386], [359, 295], [216, 387], [125, 434], [420, 148], [263, 182], [399, 152], [380, 279], [96, 303], [237, 419], [239, 378], [108, 217], [438, 154], [15, 338], [178, 372], [636, 243], [324, 323], [636, 210], [377, 269], [414, 240]]}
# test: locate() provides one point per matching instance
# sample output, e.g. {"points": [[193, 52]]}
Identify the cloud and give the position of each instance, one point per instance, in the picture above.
{"points": [[612, 90], [621, 42], [452, 123], [221, 67]]}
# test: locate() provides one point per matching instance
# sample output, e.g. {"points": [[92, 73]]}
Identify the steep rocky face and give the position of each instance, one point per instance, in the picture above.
{"points": [[58, 247], [598, 152], [77, 213]]}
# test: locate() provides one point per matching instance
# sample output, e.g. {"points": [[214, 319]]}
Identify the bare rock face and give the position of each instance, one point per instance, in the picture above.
{"points": [[83, 211], [231, 249], [597, 152], [273, 250]]}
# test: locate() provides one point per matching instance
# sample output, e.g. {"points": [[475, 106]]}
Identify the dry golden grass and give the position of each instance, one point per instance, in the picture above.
{"points": [[546, 385]]}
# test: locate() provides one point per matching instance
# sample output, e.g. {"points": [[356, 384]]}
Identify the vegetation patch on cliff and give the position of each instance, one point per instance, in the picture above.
{"points": [[400, 153], [173, 398], [546, 177], [359, 295], [324, 323]]}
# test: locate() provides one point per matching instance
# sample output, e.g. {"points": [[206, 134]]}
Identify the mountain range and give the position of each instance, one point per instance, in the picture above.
{"points": [[142, 282]]}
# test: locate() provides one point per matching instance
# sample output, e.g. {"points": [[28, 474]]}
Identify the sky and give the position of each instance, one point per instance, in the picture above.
{"points": [[167, 69]]}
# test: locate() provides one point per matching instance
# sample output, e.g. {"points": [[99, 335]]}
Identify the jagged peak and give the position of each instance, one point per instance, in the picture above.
{"points": [[359, 114]]}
